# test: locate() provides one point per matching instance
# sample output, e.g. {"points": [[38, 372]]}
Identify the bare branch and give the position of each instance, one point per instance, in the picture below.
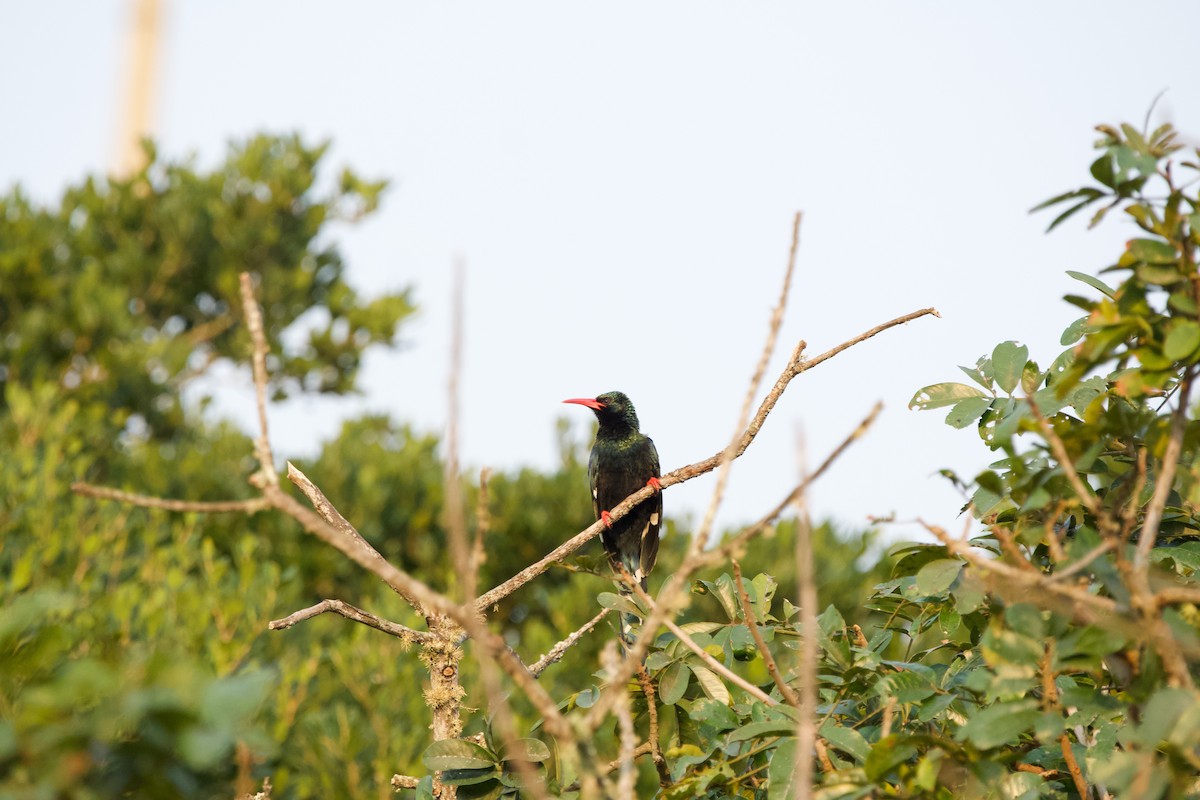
{"points": [[700, 540], [351, 612], [795, 367], [626, 736], [334, 529], [660, 761], [556, 653], [1166, 477], [690, 643], [1018, 577], [641, 750], [250, 506], [262, 444], [1086, 496], [719, 555], [404, 782], [806, 727], [752, 623]]}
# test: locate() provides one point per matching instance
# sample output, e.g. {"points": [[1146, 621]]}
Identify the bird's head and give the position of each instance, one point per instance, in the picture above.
{"points": [[613, 410]]}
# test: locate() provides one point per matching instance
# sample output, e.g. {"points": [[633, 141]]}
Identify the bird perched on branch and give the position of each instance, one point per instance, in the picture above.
{"points": [[624, 460]]}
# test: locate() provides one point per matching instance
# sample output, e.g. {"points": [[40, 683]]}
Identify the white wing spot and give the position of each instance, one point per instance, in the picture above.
{"points": [[595, 493], [653, 519]]}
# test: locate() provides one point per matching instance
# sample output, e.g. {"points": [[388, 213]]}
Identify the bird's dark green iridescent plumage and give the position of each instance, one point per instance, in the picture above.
{"points": [[624, 460]]}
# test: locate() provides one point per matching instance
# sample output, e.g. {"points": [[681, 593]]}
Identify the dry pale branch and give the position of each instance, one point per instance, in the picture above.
{"points": [[404, 782], [642, 749], [691, 644], [334, 529], [262, 444], [789, 696], [806, 726], [1086, 496], [1098, 604], [250, 506], [1166, 478], [556, 653], [700, 540], [352, 613], [660, 761], [730, 548], [626, 735], [794, 368]]}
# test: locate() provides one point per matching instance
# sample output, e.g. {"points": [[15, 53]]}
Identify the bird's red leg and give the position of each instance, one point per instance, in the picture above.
{"points": [[606, 518], [654, 483]]}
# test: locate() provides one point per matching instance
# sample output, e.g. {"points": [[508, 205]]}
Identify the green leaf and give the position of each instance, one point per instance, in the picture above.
{"points": [[618, 603], [846, 739], [1008, 362], [1102, 170], [999, 724], [525, 750], [942, 394], [714, 714], [488, 790], [673, 683], [712, 685], [967, 412], [1182, 341], [1152, 251], [887, 754], [937, 576], [469, 777], [1094, 282], [763, 730], [1158, 275], [457, 754], [782, 772], [906, 686]]}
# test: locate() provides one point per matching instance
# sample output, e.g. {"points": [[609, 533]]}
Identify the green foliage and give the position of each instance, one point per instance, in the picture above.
{"points": [[127, 289], [1051, 652]]}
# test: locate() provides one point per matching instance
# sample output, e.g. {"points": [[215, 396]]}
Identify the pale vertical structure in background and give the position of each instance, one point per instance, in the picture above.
{"points": [[142, 49]]}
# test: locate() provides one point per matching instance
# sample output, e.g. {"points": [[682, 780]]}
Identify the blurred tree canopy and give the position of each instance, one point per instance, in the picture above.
{"points": [[127, 289], [135, 658]]}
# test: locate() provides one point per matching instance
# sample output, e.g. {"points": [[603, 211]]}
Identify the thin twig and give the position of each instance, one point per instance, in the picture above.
{"points": [[250, 506], [1137, 576], [626, 735], [1072, 765], [712, 663], [682, 474], [718, 555], [336, 530], [1166, 477], [556, 653], [1086, 496], [352, 613], [262, 444], [700, 539], [641, 750], [660, 761], [806, 590], [1015, 577], [404, 782], [789, 696]]}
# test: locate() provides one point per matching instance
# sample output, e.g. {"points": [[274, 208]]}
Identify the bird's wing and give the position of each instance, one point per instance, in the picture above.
{"points": [[654, 523], [593, 485]]}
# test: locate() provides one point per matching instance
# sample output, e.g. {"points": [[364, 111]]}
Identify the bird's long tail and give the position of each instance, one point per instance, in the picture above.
{"points": [[629, 621]]}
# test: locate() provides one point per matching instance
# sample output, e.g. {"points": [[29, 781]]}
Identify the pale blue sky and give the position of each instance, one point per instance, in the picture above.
{"points": [[620, 181]]}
